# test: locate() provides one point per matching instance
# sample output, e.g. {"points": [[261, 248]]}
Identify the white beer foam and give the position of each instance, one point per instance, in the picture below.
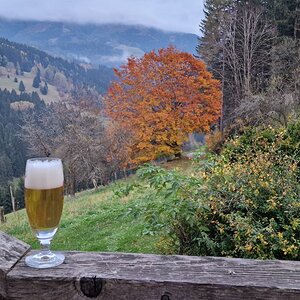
{"points": [[44, 174]]}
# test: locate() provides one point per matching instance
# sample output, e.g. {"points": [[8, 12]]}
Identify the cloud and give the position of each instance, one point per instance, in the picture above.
{"points": [[84, 59], [171, 15], [125, 52]]}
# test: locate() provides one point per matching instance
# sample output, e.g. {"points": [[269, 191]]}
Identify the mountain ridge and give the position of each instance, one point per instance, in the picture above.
{"points": [[106, 44], [20, 58]]}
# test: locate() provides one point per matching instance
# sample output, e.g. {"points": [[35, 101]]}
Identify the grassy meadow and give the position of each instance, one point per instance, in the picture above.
{"points": [[99, 220], [27, 78]]}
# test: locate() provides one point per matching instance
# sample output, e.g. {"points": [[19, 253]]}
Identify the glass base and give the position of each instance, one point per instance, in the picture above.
{"points": [[43, 261]]}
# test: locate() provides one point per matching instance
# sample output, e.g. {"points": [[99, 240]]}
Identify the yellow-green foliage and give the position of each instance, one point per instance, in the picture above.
{"points": [[244, 202], [214, 141]]}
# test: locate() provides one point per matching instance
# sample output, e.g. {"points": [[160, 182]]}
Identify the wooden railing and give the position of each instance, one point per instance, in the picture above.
{"points": [[117, 276]]}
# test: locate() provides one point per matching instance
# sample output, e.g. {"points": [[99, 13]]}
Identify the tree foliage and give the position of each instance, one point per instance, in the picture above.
{"points": [[44, 89], [251, 46], [242, 203], [161, 98], [21, 86], [37, 79], [91, 150], [13, 152]]}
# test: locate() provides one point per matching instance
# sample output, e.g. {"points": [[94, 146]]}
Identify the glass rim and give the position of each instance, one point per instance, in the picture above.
{"points": [[43, 159]]}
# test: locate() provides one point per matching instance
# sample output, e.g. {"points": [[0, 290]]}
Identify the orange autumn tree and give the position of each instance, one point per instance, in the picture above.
{"points": [[161, 98]]}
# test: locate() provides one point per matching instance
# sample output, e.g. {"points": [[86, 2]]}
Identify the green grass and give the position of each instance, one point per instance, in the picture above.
{"points": [[91, 221], [97, 221]]}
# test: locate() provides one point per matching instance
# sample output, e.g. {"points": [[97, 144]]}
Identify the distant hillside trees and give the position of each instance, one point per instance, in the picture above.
{"points": [[18, 192], [285, 15], [13, 152], [23, 58], [37, 79], [61, 82], [49, 73], [18, 68], [44, 89], [36, 82], [88, 147], [21, 86], [161, 98], [3, 61]]}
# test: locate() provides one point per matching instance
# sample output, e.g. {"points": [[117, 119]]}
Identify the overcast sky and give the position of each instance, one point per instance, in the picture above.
{"points": [[174, 15]]}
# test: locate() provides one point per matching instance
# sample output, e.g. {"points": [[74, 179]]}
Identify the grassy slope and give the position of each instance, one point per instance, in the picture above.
{"points": [[27, 79], [96, 221]]}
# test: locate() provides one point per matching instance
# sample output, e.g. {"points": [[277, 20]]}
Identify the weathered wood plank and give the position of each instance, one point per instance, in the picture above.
{"points": [[11, 250], [145, 277]]}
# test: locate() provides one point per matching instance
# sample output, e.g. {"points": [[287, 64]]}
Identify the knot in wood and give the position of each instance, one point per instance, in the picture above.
{"points": [[91, 286], [165, 297]]}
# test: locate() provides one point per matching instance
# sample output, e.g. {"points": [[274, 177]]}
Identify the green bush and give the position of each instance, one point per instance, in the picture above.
{"points": [[242, 203]]}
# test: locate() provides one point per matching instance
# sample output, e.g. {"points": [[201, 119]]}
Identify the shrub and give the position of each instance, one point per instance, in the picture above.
{"points": [[214, 141], [242, 203]]}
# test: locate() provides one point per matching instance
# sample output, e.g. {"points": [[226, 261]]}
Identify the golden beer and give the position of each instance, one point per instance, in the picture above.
{"points": [[44, 207], [44, 197]]}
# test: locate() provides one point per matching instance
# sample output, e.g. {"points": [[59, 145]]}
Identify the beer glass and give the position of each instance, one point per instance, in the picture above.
{"points": [[44, 203]]}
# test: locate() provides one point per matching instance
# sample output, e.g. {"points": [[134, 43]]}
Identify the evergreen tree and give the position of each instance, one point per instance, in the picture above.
{"points": [[252, 46], [3, 61], [5, 199], [6, 169], [36, 80], [285, 15], [236, 45], [13, 151], [18, 68], [21, 86], [19, 194], [44, 89]]}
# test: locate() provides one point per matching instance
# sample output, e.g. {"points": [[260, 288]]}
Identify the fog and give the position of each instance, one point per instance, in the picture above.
{"points": [[171, 15]]}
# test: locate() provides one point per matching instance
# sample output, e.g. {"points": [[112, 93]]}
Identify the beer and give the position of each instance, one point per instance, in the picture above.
{"points": [[44, 196], [44, 207], [44, 193]]}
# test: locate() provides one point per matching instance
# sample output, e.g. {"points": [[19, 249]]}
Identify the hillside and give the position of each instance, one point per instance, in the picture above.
{"points": [[29, 78], [13, 108], [107, 44], [99, 220], [93, 221], [7, 81], [18, 58]]}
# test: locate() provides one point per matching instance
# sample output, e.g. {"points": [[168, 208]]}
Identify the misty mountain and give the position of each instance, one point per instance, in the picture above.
{"points": [[16, 58], [107, 44]]}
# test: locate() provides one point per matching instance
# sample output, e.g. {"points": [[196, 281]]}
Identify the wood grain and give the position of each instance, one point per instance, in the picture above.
{"points": [[11, 250], [147, 277]]}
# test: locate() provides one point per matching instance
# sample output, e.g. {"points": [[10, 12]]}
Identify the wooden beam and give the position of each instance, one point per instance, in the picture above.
{"points": [[11, 251], [119, 276]]}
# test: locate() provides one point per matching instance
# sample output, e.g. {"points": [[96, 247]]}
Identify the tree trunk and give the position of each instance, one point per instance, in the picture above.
{"points": [[2, 217], [297, 21], [13, 203]]}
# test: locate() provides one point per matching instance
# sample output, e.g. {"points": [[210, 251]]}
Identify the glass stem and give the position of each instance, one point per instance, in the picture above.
{"points": [[45, 247]]}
